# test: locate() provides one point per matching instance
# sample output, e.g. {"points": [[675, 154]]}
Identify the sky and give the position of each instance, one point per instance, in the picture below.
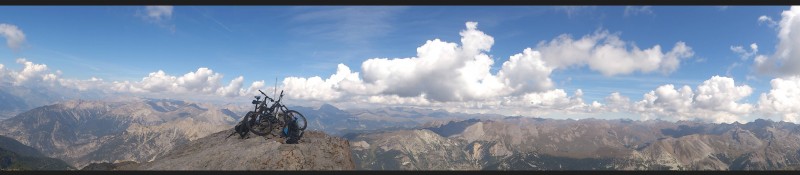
{"points": [[708, 63]]}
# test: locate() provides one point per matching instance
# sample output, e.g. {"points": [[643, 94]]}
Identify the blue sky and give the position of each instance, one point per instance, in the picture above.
{"points": [[121, 43]]}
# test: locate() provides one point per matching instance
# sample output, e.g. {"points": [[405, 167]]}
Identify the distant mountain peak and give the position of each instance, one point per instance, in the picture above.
{"points": [[328, 107]]}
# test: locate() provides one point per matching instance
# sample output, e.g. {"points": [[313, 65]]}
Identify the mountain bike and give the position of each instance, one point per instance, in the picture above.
{"points": [[262, 119]]}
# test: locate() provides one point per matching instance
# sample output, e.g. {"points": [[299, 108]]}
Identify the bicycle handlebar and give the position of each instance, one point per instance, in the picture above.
{"points": [[265, 95]]}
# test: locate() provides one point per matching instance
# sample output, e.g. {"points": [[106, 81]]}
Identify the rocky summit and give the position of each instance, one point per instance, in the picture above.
{"points": [[316, 151]]}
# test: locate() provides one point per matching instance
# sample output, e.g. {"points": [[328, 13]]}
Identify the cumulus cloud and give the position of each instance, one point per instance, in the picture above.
{"points": [[606, 53], [233, 89], [254, 87], [715, 100], [31, 73], [14, 36], [782, 99], [743, 53], [40, 75], [636, 10], [526, 72], [785, 60], [203, 81], [441, 71], [721, 94], [457, 72], [615, 102], [326, 90]]}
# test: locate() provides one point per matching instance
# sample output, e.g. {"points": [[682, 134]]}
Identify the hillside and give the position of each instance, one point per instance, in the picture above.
{"points": [[80, 132], [16, 156]]}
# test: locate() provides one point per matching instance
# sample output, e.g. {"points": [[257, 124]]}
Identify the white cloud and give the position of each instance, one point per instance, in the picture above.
{"points": [[315, 88], [743, 53], [397, 100], [254, 87], [715, 100], [39, 75], [526, 72], [84, 85], [783, 99], [158, 13], [666, 101], [2, 72], [606, 53], [202, 82], [156, 82], [615, 102], [721, 94], [444, 71], [763, 19], [636, 10], [233, 89], [14, 36], [31, 73], [785, 60], [441, 72], [556, 99], [457, 76]]}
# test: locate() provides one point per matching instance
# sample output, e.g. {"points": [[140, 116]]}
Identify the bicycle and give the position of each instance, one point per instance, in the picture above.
{"points": [[262, 118]]}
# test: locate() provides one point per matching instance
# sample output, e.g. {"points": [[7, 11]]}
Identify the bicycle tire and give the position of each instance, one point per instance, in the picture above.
{"points": [[301, 120], [259, 124]]}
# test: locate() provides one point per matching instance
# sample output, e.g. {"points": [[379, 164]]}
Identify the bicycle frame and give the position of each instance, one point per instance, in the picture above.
{"points": [[274, 110]]}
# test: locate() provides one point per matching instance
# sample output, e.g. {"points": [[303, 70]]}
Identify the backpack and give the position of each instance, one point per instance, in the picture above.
{"points": [[293, 132], [241, 129]]}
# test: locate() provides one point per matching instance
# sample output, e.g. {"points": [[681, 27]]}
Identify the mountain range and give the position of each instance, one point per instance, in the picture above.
{"points": [[335, 121], [156, 133], [81, 131], [589, 144]]}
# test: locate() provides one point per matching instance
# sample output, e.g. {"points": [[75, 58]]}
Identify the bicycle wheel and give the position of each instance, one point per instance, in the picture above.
{"points": [[259, 124], [301, 120]]}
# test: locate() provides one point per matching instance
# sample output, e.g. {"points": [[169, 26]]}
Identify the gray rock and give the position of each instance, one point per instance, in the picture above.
{"points": [[316, 151]]}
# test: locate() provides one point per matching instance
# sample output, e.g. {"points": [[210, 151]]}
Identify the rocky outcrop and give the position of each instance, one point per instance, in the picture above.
{"points": [[316, 151]]}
